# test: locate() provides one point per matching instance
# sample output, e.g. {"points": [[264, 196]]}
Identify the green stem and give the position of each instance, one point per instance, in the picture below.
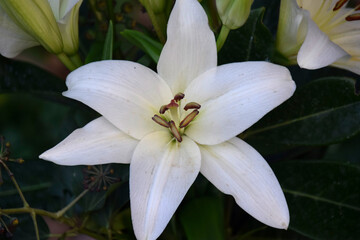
{"points": [[76, 60], [33, 216], [224, 32], [26, 205], [66, 61], [71, 204]]}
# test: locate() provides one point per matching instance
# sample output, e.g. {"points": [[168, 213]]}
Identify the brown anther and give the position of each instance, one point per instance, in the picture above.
{"points": [[353, 17], [160, 121], [188, 118], [7, 144], [175, 131], [339, 4], [111, 171], [192, 105], [179, 96], [163, 109]]}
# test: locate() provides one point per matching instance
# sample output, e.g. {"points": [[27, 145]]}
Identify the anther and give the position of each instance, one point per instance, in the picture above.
{"points": [[353, 17], [175, 131], [188, 118], [179, 96], [160, 121], [163, 109], [192, 105], [339, 4]]}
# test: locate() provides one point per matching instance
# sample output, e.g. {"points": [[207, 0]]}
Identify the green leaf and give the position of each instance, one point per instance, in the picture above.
{"points": [[147, 44], [323, 198], [109, 43], [347, 151], [252, 42], [203, 218], [322, 112]]}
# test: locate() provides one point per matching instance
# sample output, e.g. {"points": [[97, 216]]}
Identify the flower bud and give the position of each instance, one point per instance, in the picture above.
{"points": [[67, 16], [233, 13], [36, 18]]}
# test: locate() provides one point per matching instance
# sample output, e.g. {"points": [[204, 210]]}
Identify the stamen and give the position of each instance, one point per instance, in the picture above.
{"points": [[163, 109], [179, 96], [353, 17], [339, 4], [175, 131], [188, 118], [357, 7], [192, 105], [160, 121]]}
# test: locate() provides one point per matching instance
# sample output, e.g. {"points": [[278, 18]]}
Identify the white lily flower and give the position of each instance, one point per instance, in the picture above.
{"points": [[50, 23], [202, 109], [316, 34]]}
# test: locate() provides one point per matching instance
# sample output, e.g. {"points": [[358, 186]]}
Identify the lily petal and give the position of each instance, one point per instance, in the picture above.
{"points": [[161, 172], [13, 40], [190, 49], [318, 50], [235, 168], [235, 96], [349, 63], [125, 93], [99, 142]]}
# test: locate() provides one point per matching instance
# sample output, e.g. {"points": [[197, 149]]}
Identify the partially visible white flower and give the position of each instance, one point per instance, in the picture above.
{"points": [[178, 122], [50, 23], [316, 34]]}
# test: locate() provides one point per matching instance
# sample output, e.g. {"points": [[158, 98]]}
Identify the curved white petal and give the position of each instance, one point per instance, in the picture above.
{"points": [[235, 168], [349, 63], [349, 41], [235, 96], [315, 7], [13, 40], [190, 48], [161, 172], [98, 142], [318, 50], [125, 93]]}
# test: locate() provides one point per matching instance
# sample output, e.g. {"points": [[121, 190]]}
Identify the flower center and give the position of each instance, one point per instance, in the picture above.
{"points": [[349, 17], [174, 108]]}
